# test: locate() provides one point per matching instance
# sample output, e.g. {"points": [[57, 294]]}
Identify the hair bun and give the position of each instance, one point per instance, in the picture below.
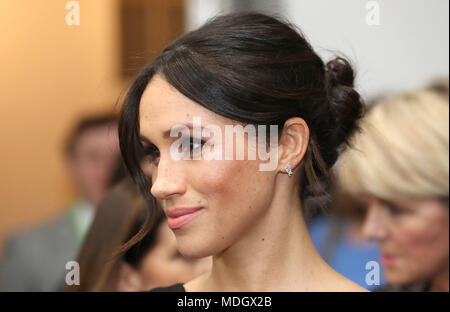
{"points": [[339, 72], [345, 102]]}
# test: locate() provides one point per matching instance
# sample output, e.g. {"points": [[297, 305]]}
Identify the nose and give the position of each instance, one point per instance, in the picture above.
{"points": [[374, 225], [167, 180]]}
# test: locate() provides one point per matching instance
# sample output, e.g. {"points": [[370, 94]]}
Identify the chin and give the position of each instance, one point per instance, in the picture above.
{"points": [[191, 253], [191, 249], [398, 278]]}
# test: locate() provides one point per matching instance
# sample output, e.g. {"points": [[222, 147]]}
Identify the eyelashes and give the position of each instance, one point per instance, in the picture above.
{"points": [[198, 144], [394, 209], [152, 153]]}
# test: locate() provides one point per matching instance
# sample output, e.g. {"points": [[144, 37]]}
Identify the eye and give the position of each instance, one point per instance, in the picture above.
{"points": [[198, 144], [394, 209], [195, 145], [151, 152]]}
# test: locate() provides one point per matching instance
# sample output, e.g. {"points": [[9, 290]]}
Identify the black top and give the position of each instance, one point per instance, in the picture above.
{"points": [[420, 287], [417, 287], [173, 288]]}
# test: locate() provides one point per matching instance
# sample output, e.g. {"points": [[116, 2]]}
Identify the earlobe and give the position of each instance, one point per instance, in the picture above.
{"points": [[293, 143]]}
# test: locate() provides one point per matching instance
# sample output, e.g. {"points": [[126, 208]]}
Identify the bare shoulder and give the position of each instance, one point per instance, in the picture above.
{"points": [[342, 284]]}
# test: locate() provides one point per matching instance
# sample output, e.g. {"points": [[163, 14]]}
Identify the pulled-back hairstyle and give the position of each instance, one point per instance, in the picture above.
{"points": [[255, 69]]}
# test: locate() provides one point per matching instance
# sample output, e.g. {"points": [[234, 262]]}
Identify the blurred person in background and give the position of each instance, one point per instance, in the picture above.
{"points": [[395, 179], [338, 241], [337, 237], [154, 261], [34, 260]]}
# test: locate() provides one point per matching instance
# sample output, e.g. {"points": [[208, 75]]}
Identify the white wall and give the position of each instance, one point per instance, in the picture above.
{"points": [[406, 50], [199, 11]]}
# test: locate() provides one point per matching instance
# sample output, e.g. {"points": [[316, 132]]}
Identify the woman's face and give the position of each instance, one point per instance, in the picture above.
{"points": [[413, 237], [165, 266], [233, 194]]}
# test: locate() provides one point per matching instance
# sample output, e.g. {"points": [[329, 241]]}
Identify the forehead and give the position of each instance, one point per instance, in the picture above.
{"points": [[163, 106], [98, 137]]}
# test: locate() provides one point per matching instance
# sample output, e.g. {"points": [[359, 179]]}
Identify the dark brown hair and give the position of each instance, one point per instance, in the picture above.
{"points": [[255, 69], [118, 218]]}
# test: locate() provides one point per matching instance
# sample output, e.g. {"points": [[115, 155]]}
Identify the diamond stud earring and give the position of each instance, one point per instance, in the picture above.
{"points": [[288, 170]]}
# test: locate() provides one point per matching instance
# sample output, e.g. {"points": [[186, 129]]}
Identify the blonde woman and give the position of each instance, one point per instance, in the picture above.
{"points": [[398, 172]]}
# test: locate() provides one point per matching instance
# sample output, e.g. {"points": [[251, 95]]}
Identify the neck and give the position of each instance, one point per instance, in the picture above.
{"points": [[275, 254]]}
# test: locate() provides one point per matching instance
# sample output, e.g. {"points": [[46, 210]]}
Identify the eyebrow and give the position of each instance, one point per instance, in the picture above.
{"points": [[166, 134]]}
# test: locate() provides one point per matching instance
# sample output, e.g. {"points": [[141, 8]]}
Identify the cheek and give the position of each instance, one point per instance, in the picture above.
{"points": [[234, 190], [239, 180], [424, 238], [88, 171], [231, 180]]}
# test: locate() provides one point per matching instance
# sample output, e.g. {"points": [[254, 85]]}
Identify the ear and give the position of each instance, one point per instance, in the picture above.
{"points": [[128, 278], [293, 143]]}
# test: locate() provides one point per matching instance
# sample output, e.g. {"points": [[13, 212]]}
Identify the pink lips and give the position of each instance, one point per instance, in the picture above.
{"points": [[387, 260], [177, 217]]}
